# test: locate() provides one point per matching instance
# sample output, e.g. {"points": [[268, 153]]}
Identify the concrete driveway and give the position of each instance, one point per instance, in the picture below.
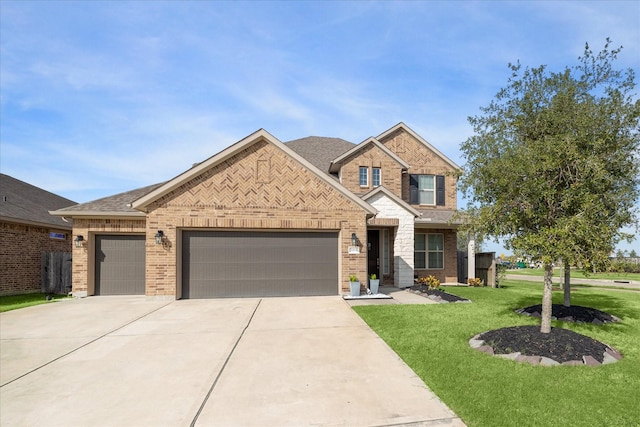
{"points": [[135, 361]]}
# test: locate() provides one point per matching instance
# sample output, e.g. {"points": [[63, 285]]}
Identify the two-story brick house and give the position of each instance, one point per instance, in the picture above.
{"points": [[266, 218]]}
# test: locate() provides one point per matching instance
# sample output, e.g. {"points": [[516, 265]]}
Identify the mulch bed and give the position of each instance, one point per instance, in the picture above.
{"points": [[437, 295], [575, 313], [560, 346]]}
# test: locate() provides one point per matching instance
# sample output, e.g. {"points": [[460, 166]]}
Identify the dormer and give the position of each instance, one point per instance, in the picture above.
{"points": [[431, 179], [369, 165]]}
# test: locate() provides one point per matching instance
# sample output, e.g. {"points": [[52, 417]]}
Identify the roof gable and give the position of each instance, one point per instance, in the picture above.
{"points": [[407, 129], [381, 190], [335, 164], [230, 154]]}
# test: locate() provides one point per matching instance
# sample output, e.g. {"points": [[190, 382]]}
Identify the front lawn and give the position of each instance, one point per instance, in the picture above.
{"points": [[13, 302], [489, 391]]}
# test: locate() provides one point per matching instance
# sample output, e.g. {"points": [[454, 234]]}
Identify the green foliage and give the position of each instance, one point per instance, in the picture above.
{"points": [[475, 282], [430, 281], [489, 391], [353, 278], [553, 165], [373, 277]]}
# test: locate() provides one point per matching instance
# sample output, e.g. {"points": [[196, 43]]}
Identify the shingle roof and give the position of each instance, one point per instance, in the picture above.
{"points": [[319, 150], [118, 203], [24, 203], [437, 216]]}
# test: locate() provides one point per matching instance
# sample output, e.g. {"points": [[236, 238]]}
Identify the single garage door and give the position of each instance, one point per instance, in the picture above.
{"points": [[120, 265], [258, 264]]}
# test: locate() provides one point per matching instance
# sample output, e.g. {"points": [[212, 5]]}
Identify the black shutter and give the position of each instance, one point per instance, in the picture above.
{"points": [[413, 189], [439, 190]]}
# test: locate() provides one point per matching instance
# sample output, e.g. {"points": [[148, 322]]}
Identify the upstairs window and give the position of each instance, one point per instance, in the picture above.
{"points": [[376, 177], [426, 190], [364, 176]]}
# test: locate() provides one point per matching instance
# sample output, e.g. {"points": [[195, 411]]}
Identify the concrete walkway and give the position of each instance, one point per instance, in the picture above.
{"points": [[133, 361]]}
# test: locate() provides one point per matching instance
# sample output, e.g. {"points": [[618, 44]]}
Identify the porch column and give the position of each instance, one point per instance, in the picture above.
{"points": [[471, 257]]}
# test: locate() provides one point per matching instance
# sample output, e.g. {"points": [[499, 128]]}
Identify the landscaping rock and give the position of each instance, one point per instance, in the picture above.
{"points": [[607, 359], [590, 361], [475, 343], [548, 362], [534, 360], [613, 353], [573, 363], [510, 356], [486, 349]]}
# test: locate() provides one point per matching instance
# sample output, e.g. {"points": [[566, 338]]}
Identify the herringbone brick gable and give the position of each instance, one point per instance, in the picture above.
{"points": [[259, 177]]}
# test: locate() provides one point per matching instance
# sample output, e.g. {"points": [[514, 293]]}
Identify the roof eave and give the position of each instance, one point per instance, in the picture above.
{"points": [[393, 197], [35, 223], [334, 167], [421, 140], [98, 214]]}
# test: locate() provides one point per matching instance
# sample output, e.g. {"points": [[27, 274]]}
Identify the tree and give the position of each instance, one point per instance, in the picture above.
{"points": [[552, 167]]}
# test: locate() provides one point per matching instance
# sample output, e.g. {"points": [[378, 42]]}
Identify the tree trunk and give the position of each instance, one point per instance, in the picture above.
{"points": [[567, 284], [545, 327]]}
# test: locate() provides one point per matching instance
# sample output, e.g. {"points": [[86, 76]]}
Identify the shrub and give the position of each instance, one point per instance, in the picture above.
{"points": [[429, 281], [475, 281]]}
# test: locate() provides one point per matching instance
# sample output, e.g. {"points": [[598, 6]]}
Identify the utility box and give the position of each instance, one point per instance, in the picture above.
{"points": [[486, 268]]}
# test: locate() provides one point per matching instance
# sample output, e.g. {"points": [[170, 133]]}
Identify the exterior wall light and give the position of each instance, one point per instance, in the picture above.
{"points": [[159, 237], [78, 241], [354, 239]]}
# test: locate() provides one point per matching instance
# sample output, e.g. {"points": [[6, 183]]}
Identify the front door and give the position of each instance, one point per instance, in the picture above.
{"points": [[373, 252]]}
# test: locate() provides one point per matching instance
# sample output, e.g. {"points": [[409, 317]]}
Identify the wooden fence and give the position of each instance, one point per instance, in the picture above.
{"points": [[56, 273]]}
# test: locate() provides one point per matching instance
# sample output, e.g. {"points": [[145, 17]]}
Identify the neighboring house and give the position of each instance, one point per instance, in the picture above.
{"points": [[26, 231], [264, 218]]}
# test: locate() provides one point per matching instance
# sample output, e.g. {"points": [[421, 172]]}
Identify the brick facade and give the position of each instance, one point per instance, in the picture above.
{"points": [[262, 186], [370, 157], [422, 161], [450, 272], [21, 248], [83, 276], [259, 188]]}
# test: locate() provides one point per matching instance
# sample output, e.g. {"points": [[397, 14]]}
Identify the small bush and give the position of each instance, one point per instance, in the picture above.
{"points": [[429, 281], [475, 281]]}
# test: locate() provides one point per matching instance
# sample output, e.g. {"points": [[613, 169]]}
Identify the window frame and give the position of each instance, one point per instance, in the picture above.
{"points": [[373, 177], [428, 251], [364, 169], [438, 191]]}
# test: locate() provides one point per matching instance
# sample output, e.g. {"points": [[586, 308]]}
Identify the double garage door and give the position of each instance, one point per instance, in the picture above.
{"points": [[257, 264]]}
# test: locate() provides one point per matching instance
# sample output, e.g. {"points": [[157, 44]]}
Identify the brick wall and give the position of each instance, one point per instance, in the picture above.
{"points": [[422, 161], [450, 272], [258, 188], [83, 275], [21, 248], [371, 156]]}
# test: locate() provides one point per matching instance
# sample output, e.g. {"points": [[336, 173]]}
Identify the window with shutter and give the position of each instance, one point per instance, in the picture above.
{"points": [[426, 190]]}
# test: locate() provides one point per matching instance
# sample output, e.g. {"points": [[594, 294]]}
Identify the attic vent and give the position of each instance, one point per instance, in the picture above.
{"points": [[4, 198]]}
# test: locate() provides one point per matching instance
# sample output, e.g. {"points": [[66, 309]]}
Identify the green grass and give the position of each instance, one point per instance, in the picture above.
{"points": [[576, 274], [14, 302], [489, 391]]}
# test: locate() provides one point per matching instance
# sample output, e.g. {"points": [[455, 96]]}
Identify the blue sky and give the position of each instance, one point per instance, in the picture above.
{"points": [[100, 97]]}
